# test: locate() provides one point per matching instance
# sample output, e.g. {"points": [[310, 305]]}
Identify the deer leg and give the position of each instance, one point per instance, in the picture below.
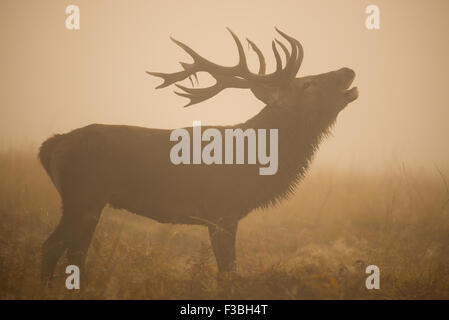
{"points": [[74, 233], [53, 248], [81, 237], [222, 238]]}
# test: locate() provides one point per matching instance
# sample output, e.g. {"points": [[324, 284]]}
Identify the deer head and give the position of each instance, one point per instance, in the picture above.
{"points": [[327, 92]]}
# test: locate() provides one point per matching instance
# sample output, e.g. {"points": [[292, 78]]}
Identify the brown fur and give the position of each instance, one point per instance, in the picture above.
{"points": [[129, 167]]}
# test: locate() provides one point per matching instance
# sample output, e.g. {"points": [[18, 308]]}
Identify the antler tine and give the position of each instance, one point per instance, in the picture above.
{"points": [[259, 53], [296, 56], [169, 78], [195, 56], [242, 66], [200, 94], [284, 48], [190, 66], [202, 64], [238, 76], [299, 58], [197, 95], [291, 63], [278, 58]]}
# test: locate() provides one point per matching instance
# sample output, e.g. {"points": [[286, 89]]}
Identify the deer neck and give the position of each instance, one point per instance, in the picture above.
{"points": [[300, 133]]}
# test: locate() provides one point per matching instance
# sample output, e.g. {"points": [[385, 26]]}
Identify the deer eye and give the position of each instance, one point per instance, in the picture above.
{"points": [[308, 84]]}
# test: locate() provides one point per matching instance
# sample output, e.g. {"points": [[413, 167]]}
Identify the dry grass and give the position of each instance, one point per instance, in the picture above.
{"points": [[316, 245]]}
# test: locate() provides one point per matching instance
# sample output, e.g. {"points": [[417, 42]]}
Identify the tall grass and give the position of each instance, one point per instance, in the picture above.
{"points": [[315, 245]]}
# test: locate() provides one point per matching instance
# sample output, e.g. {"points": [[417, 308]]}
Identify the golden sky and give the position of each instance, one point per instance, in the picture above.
{"points": [[53, 80]]}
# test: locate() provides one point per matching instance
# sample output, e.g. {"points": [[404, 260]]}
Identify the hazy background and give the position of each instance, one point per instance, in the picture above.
{"points": [[53, 80], [378, 192]]}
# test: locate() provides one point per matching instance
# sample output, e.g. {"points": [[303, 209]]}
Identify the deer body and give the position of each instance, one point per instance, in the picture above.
{"points": [[129, 167]]}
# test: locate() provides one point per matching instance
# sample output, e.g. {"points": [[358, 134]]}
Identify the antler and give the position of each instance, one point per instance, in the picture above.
{"points": [[238, 76]]}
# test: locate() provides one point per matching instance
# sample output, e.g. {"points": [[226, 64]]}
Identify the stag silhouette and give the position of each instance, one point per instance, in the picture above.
{"points": [[129, 167]]}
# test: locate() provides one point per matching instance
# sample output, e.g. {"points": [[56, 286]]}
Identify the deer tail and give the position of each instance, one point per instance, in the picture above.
{"points": [[46, 151]]}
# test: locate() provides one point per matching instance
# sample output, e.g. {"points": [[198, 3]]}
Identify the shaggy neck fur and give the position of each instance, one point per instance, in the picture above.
{"points": [[300, 133]]}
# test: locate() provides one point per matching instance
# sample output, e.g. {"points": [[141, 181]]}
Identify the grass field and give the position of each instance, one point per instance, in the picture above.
{"points": [[315, 245]]}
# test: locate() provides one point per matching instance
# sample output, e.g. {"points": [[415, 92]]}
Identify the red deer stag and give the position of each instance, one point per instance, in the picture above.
{"points": [[129, 167]]}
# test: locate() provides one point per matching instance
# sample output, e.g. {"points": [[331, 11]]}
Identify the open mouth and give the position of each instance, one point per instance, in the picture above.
{"points": [[351, 94]]}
